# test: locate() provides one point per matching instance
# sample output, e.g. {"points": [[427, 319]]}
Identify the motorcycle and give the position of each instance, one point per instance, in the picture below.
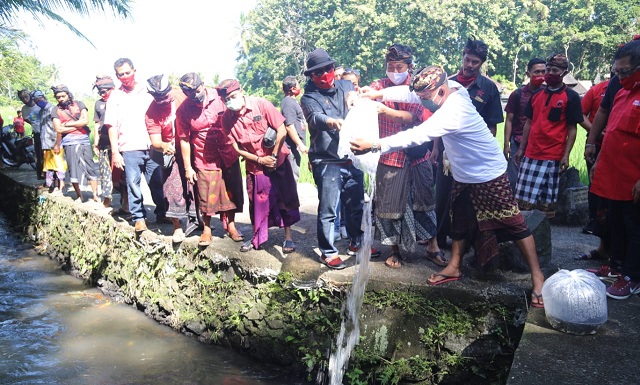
{"points": [[16, 151]]}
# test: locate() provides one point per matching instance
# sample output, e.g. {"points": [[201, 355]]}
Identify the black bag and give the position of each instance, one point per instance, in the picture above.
{"points": [[168, 161], [269, 140]]}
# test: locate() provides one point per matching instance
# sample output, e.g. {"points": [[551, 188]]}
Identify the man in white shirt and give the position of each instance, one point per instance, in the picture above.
{"points": [[483, 208]]}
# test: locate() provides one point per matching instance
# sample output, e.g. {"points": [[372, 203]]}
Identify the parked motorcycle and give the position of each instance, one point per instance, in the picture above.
{"points": [[16, 151]]}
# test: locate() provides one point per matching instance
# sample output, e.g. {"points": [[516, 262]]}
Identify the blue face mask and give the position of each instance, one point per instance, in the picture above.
{"points": [[41, 103]]}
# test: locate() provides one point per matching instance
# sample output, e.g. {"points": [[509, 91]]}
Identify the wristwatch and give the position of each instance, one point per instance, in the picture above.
{"points": [[375, 147]]}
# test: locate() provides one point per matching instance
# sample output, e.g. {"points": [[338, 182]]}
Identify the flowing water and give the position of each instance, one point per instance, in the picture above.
{"points": [[349, 334], [56, 330]]}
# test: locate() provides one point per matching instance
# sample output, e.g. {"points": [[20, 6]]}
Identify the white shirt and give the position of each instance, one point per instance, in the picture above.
{"points": [[473, 152], [125, 112]]}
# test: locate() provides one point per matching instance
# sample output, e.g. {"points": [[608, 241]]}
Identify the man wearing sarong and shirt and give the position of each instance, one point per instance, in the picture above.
{"points": [[483, 208]]}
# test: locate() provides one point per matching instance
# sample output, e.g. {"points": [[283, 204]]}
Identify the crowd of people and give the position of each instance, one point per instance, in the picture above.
{"points": [[441, 173]]}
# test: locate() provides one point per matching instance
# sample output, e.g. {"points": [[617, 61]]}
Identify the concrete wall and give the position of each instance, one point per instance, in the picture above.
{"points": [[411, 333]]}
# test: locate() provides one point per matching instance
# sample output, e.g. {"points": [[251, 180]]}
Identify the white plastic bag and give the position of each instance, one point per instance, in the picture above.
{"points": [[575, 301], [361, 122]]}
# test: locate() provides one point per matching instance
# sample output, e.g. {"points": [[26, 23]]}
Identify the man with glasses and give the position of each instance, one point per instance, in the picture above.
{"points": [[130, 144], [547, 139], [616, 173], [324, 104]]}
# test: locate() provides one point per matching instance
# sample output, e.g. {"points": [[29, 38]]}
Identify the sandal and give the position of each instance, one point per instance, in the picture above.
{"points": [[444, 279], [248, 246], [592, 255], [394, 261], [539, 302], [288, 246], [236, 237], [437, 258], [204, 240]]}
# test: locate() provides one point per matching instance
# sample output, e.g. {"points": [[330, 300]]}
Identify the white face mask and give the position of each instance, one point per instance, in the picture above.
{"points": [[235, 104], [398, 77]]}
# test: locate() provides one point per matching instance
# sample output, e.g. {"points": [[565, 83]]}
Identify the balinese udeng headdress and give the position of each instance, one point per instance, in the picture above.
{"points": [[190, 81], [428, 78], [399, 52], [227, 86], [158, 86], [103, 82], [61, 88], [558, 60]]}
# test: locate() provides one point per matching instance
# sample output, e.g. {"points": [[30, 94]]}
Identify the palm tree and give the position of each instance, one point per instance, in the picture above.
{"points": [[40, 9]]}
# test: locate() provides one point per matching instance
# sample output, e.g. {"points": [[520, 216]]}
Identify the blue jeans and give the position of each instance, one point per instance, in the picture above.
{"points": [[135, 164], [512, 167], [336, 182]]}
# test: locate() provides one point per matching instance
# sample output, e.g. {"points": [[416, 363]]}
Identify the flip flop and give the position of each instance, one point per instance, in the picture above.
{"points": [[288, 246], [445, 279], [433, 257], [394, 261], [592, 255], [539, 304]]}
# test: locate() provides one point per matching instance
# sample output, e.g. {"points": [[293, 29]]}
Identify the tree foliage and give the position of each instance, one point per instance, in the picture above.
{"points": [[277, 34], [49, 9], [21, 71]]}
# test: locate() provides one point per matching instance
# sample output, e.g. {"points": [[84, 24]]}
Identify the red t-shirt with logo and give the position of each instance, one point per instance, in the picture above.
{"points": [[618, 167], [550, 113]]}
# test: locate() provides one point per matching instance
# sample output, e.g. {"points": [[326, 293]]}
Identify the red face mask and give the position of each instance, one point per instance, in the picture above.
{"points": [[324, 81], [296, 91], [127, 81], [630, 81], [553, 80], [537, 81]]}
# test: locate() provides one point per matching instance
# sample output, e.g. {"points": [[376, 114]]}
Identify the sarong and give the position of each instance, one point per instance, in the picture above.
{"points": [[404, 205], [80, 162], [538, 181], [485, 214], [273, 201], [220, 190]]}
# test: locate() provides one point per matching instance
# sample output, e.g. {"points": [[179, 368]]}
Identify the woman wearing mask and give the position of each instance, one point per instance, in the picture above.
{"points": [[271, 187]]}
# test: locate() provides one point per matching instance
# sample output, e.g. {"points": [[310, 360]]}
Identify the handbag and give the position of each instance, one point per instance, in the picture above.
{"points": [[269, 140]]}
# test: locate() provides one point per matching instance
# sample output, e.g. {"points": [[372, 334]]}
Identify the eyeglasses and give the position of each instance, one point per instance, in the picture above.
{"points": [[323, 70], [625, 72], [351, 71]]}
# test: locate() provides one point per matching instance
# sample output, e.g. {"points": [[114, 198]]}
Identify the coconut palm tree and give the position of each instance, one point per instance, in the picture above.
{"points": [[40, 9]]}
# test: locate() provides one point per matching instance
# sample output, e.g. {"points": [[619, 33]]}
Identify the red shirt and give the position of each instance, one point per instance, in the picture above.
{"points": [[18, 125], [72, 113], [591, 100], [248, 126], [550, 113], [618, 167], [202, 126], [160, 117], [388, 127]]}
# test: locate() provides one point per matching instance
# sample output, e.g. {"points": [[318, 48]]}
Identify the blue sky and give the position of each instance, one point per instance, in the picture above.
{"points": [[163, 36]]}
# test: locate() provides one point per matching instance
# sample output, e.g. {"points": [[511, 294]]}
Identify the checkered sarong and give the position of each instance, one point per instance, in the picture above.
{"points": [[538, 181]]}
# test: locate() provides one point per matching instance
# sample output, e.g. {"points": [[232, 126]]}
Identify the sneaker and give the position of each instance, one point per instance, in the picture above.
{"points": [[604, 272], [352, 250], [623, 288]]}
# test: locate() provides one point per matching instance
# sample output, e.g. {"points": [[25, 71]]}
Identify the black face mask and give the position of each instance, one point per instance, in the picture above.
{"points": [[66, 104], [429, 105], [200, 95]]}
